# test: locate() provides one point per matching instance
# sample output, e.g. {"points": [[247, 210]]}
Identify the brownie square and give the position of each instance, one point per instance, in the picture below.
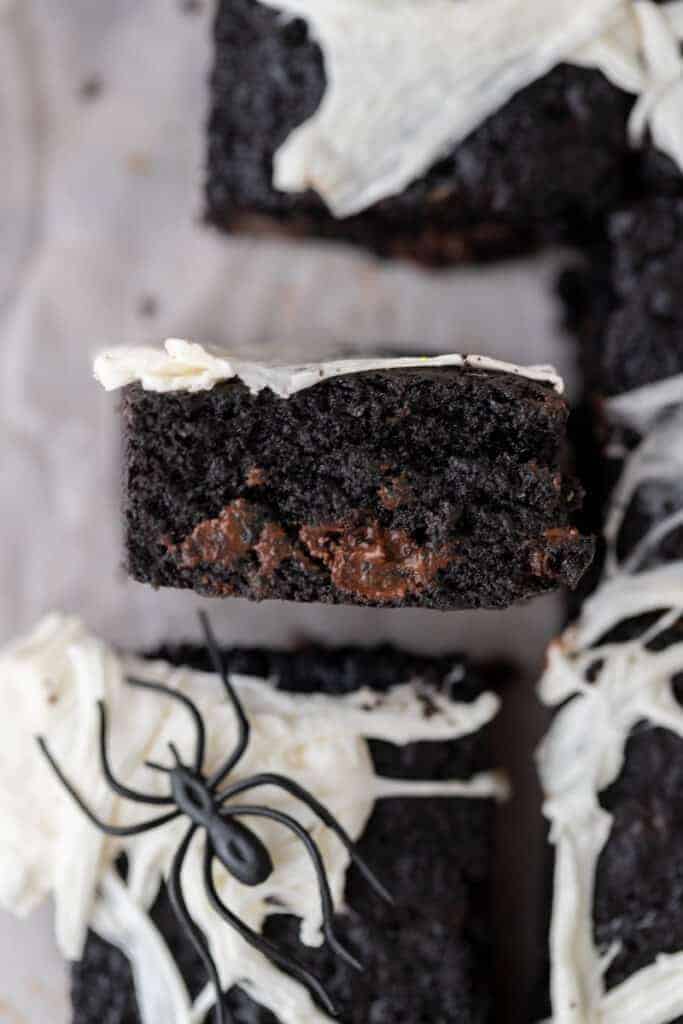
{"points": [[428, 957], [434, 487], [631, 905], [547, 166]]}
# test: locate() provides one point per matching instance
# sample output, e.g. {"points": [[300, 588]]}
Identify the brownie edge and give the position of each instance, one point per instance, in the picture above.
{"points": [[438, 488], [547, 166]]}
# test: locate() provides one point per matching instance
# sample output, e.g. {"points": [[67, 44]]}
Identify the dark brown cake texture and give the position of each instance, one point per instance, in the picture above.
{"points": [[625, 308], [429, 957], [637, 883], [547, 166], [431, 487], [632, 347]]}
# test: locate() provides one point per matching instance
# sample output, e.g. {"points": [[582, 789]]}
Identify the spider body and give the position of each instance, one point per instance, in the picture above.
{"points": [[237, 847], [209, 808]]}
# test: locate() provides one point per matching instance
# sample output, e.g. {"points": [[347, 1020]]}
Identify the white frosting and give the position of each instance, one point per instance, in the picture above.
{"points": [[658, 458], [407, 80], [656, 412], [582, 754], [188, 366], [640, 408], [52, 679]]}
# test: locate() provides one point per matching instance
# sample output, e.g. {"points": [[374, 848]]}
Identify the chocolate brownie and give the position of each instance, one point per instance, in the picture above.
{"points": [[437, 487], [632, 422], [626, 306], [626, 311], [547, 166], [429, 957], [639, 883], [618, 742]]}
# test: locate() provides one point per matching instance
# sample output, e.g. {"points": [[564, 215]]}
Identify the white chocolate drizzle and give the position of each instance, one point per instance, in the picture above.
{"points": [[407, 80], [610, 687], [582, 753], [655, 411], [640, 408], [188, 366], [52, 679]]}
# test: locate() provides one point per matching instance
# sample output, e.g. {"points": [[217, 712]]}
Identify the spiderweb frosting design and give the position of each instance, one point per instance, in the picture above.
{"points": [[612, 685], [407, 80], [53, 678]]}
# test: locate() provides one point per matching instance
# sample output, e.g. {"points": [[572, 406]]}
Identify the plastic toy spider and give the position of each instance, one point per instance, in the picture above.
{"points": [[202, 800]]}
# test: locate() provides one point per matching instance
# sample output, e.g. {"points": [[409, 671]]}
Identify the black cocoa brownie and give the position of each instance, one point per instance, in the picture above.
{"points": [[547, 166], [429, 957], [639, 881], [431, 487], [626, 308]]}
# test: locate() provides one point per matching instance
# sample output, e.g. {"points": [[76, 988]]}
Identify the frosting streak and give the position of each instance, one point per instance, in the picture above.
{"points": [[188, 366], [52, 679], [407, 80]]}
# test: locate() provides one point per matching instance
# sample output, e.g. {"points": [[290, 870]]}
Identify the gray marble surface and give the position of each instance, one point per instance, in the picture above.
{"points": [[102, 108]]}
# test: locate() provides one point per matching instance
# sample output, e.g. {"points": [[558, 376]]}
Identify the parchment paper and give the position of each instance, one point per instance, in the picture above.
{"points": [[102, 108]]}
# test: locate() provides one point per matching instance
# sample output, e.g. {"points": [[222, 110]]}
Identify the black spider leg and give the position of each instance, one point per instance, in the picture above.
{"points": [[187, 703], [110, 830], [175, 892], [322, 812], [118, 787], [288, 964], [242, 722], [243, 810]]}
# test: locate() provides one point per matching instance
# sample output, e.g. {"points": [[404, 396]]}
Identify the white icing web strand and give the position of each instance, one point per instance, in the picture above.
{"points": [[651, 996], [53, 678], [658, 458], [641, 407], [660, 104], [650, 541], [159, 988], [581, 755], [202, 1004], [485, 784]]}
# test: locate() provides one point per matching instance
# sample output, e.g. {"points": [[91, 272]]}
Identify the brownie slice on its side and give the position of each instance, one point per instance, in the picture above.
{"points": [[428, 957], [434, 487], [548, 165]]}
